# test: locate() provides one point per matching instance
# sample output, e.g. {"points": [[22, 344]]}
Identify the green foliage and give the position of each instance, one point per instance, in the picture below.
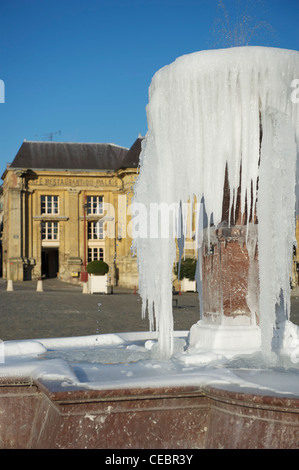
{"points": [[97, 267], [187, 269]]}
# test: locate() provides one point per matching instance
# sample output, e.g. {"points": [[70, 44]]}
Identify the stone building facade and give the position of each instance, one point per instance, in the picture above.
{"points": [[65, 204]]}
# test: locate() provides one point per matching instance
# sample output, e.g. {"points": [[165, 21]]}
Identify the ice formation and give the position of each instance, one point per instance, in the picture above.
{"points": [[204, 116]]}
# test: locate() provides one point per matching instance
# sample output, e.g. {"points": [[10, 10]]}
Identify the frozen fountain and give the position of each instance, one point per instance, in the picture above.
{"points": [[223, 135], [223, 128]]}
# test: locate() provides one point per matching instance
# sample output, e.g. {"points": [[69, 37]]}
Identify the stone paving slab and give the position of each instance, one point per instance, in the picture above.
{"points": [[62, 310]]}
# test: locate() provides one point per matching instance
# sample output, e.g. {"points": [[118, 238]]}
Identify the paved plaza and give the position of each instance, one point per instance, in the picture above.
{"points": [[62, 310]]}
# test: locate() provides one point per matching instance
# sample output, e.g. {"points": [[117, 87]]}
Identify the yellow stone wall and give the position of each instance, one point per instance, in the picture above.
{"points": [[22, 242]]}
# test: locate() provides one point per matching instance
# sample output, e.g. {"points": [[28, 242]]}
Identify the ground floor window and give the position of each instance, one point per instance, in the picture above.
{"points": [[49, 230], [95, 253]]}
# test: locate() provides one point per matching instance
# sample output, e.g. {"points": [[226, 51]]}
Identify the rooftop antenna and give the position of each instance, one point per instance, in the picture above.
{"points": [[50, 135]]}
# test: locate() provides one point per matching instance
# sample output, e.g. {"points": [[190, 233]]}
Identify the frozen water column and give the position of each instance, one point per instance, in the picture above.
{"points": [[205, 115], [230, 314], [230, 276]]}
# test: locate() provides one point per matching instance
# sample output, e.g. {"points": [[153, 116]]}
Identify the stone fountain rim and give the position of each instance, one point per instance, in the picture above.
{"points": [[58, 396]]}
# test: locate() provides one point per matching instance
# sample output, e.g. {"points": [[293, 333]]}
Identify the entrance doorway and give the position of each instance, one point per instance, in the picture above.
{"points": [[50, 262]]}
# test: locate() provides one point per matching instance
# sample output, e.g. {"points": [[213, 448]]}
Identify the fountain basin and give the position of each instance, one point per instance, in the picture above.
{"points": [[63, 396], [41, 415]]}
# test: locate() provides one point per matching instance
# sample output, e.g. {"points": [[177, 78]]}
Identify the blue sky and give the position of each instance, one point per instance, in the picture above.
{"points": [[83, 67]]}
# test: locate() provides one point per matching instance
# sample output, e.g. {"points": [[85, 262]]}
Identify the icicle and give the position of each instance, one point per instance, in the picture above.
{"points": [[275, 210]]}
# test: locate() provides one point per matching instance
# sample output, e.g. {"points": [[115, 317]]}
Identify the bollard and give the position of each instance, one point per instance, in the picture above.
{"points": [[9, 285], [39, 287], [85, 288]]}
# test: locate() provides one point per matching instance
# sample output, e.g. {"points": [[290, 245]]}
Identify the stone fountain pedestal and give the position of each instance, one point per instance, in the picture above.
{"points": [[230, 316], [230, 284], [41, 415]]}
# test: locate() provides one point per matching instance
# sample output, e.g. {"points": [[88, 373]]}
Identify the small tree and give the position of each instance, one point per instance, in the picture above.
{"points": [[187, 269], [97, 267]]}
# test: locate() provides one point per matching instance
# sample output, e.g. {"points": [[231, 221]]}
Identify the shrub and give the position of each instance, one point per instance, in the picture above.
{"points": [[97, 267], [187, 269]]}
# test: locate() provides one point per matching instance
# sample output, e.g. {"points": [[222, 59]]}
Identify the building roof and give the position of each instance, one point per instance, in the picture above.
{"points": [[75, 156], [131, 160]]}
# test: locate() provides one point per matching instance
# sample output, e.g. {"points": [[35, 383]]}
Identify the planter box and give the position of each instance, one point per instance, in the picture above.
{"points": [[188, 286], [99, 284]]}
